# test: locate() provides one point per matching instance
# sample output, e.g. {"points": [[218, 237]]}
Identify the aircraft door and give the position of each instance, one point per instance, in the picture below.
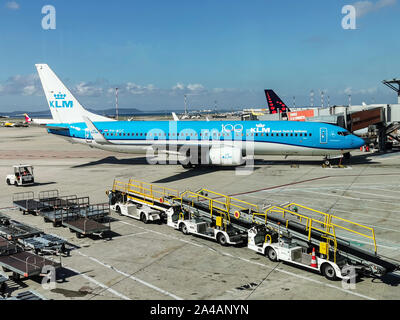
{"points": [[323, 135]]}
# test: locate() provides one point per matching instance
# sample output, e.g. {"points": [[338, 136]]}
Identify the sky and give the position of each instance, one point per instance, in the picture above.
{"points": [[216, 52]]}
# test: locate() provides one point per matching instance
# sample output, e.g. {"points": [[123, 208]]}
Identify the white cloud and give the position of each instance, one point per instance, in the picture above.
{"points": [[12, 5], [365, 91], [87, 89], [26, 85], [365, 7], [191, 88]]}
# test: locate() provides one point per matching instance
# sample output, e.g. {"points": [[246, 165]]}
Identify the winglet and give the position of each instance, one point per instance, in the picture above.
{"points": [[175, 116], [97, 136]]}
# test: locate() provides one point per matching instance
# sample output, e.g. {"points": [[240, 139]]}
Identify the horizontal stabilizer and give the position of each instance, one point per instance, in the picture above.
{"points": [[57, 128], [97, 136]]}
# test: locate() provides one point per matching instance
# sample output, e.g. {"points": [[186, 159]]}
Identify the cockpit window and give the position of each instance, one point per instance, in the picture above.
{"points": [[343, 133]]}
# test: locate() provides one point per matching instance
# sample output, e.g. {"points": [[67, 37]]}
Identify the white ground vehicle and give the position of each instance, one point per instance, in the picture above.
{"points": [[210, 230], [23, 176], [280, 248], [137, 211]]}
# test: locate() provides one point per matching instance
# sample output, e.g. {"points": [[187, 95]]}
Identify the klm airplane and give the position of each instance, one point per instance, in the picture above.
{"points": [[221, 143]]}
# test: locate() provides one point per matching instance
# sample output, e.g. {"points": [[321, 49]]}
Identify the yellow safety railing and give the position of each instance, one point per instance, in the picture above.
{"points": [[149, 193], [309, 223], [231, 202], [332, 221]]}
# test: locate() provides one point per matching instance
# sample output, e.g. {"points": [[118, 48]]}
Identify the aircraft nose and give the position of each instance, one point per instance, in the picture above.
{"points": [[357, 142]]}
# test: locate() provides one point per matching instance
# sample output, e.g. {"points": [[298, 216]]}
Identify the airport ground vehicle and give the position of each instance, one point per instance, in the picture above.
{"points": [[290, 232], [22, 176], [137, 211], [205, 229], [280, 248]]}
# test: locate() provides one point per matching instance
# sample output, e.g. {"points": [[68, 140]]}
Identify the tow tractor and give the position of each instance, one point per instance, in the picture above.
{"points": [[217, 230], [279, 246], [23, 176], [137, 211]]}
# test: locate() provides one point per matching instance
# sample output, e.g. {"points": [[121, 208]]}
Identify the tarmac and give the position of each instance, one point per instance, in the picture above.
{"points": [[156, 262]]}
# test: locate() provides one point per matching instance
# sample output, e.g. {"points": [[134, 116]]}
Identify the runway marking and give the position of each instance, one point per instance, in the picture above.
{"points": [[99, 284], [132, 277]]}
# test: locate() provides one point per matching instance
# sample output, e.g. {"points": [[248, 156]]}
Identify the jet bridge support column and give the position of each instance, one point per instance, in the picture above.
{"points": [[382, 138]]}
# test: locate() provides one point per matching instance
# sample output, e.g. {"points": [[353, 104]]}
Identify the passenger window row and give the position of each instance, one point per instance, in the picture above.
{"points": [[137, 134]]}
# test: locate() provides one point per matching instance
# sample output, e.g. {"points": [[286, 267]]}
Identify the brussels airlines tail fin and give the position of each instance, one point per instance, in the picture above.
{"points": [[275, 104], [64, 107]]}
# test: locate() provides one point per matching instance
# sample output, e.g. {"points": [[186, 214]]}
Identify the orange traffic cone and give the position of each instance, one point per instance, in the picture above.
{"points": [[313, 260]]}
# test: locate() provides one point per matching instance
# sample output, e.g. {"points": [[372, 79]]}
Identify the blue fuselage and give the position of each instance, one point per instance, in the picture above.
{"points": [[268, 137]]}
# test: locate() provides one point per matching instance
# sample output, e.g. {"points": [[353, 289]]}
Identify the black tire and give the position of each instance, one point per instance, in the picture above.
{"points": [[327, 163], [16, 183], [15, 276], [183, 228], [328, 271], [143, 218], [118, 210], [79, 235], [222, 239], [8, 182], [271, 254]]}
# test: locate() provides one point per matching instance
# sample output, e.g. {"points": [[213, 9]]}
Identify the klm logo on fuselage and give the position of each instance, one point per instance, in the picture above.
{"points": [[260, 128], [59, 101]]}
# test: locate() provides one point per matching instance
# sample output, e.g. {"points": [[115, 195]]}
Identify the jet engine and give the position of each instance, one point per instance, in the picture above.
{"points": [[226, 156]]}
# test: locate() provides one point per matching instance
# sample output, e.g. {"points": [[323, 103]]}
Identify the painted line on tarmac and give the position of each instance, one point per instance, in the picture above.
{"points": [[323, 200], [301, 277], [149, 285], [99, 284], [132, 235], [368, 193], [366, 215], [162, 234], [345, 197]]}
